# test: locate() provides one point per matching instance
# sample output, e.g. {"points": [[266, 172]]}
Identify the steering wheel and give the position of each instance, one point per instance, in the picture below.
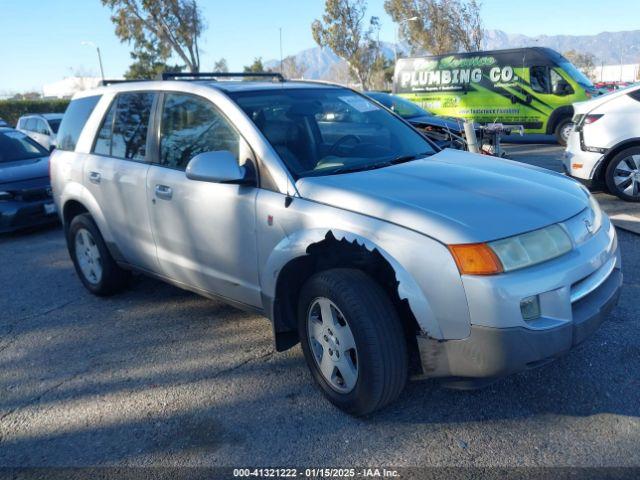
{"points": [[342, 140]]}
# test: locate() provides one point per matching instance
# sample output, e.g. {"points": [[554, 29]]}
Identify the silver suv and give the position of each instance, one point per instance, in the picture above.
{"points": [[41, 127], [321, 209]]}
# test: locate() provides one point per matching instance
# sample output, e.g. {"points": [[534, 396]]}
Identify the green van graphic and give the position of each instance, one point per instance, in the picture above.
{"points": [[533, 87]]}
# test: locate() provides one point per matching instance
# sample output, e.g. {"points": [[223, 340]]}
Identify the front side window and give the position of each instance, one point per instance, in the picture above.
{"points": [[559, 86], [539, 79], [192, 125], [123, 133], [75, 117], [324, 131]]}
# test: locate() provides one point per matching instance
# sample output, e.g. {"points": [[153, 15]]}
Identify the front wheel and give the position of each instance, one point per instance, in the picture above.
{"points": [[353, 340], [563, 130], [623, 175]]}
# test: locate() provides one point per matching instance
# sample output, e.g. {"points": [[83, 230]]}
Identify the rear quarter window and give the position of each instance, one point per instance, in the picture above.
{"points": [[74, 120]]}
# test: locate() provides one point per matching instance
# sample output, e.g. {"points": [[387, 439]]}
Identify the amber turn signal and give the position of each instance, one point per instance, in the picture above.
{"points": [[475, 259]]}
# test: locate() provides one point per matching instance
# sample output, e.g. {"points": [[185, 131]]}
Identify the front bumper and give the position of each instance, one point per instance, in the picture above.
{"points": [[575, 292], [16, 215], [491, 353]]}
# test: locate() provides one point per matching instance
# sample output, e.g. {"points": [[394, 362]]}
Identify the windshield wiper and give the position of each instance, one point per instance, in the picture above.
{"points": [[359, 168], [408, 158]]}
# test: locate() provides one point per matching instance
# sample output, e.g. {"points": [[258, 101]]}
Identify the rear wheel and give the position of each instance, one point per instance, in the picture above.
{"points": [[94, 264], [353, 340], [563, 130], [623, 175]]}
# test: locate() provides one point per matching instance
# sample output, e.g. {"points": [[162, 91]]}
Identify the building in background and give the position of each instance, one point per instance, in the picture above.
{"points": [[66, 87], [616, 73]]}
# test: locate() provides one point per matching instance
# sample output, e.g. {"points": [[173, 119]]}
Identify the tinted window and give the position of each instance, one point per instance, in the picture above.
{"points": [[103, 140], [192, 125], [17, 146], [54, 124], [324, 131], [123, 133], [73, 121]]}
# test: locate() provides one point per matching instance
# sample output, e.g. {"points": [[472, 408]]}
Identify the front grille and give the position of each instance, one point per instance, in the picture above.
{"points": [[34, 194]]}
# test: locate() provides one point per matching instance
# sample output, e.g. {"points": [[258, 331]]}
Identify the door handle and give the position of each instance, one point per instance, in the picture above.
{"points": [[94, 177], [164, 192]]}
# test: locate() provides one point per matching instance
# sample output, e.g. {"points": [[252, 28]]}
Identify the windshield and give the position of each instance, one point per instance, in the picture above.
{"points": [[576, 74], [54, 124], [401, 106], [17, 146], [324, 131]]}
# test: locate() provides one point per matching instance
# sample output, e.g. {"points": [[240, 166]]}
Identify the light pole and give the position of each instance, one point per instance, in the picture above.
{"points": [[91, 44], [395, 44]]}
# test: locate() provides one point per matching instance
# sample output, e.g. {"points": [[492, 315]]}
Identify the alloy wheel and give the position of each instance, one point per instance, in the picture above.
{"points": [[88, 256], [626, 175], [332, 344]]}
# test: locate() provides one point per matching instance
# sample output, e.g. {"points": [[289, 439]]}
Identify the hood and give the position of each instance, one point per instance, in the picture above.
{"points": [[24, 169], [432, 120], [589, 105], [454, 196]]}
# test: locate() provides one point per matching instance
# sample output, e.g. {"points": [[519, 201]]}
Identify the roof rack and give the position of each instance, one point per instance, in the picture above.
{"points": [[213, 75], [106, 82]]}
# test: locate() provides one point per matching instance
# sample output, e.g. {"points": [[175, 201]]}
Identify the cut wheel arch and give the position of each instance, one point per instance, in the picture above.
{"points": [[297, 257]]}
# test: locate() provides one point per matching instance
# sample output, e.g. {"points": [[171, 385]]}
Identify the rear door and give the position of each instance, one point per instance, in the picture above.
{"points": [[115, 174], [205, 232]]}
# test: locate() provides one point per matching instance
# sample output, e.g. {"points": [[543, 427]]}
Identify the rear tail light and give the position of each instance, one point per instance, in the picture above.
{"points": [[589, 119]]}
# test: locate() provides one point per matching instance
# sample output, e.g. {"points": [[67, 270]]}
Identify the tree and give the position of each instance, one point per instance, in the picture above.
{"points": [[148, 64], [440, 26], [344, 30], [339, 73], [255, 67], [166, 26], [291, 68], [221, 66], [584, 61]]}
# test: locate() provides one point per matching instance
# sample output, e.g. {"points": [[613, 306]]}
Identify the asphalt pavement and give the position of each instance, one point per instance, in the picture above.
{"points": [[159, 376]]}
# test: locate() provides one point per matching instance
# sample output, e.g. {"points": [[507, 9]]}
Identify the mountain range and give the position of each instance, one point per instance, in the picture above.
{"points": [[608, 48]]}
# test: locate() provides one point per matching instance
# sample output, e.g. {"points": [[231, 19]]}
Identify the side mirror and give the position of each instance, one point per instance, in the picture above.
{"points": [[216, 167], [561, 88]]}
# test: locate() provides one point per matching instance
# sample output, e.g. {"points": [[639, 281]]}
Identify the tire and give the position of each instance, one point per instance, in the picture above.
{"points": [[562, 131], [380, 355], [623, 175], [90, 254]]}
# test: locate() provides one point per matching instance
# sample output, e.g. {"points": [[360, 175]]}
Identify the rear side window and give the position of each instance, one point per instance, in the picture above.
{"points": [[123, 133], [74, 120]]}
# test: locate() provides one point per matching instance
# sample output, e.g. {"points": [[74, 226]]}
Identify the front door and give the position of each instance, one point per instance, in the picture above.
{"points": [[204, 232]]}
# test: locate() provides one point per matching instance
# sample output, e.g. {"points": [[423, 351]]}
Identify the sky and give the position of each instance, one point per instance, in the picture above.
{"points": [[41, 40]]}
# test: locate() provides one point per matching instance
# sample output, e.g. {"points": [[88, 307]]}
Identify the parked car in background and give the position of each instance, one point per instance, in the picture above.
{"points": [[42, 127], [445, 132], [25, 189], [355, 235], [533, 87], [3, 123], [604, 147]]}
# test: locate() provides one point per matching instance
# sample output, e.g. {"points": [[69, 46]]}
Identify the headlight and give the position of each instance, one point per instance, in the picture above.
{"points": [[531, 248], [5, 195], [597, 214]]}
